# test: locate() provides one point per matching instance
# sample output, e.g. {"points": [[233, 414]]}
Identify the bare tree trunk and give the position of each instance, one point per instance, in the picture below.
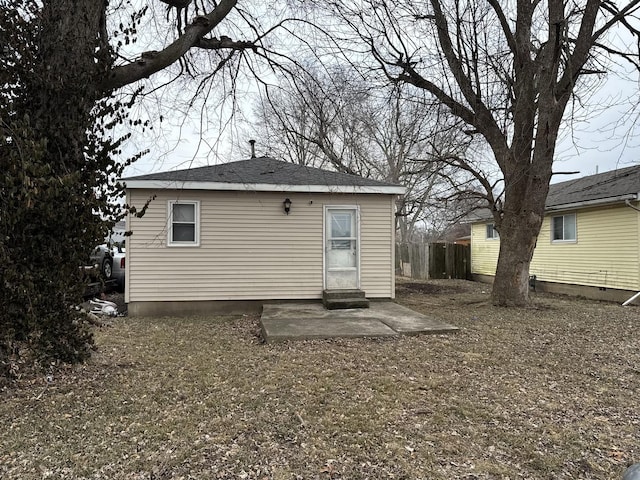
{"points": [[67, 68], [511, 283], [520, 222]]}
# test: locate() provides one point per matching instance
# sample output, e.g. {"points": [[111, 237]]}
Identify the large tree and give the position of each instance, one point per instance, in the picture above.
{"points": [[508, 70], [61, 65]]}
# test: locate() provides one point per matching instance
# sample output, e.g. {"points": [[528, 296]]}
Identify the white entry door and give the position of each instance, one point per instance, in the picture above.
{"points": [[341, 248]]}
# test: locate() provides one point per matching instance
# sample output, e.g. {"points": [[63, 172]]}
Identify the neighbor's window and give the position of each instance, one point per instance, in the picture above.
{"points": [[491, 231], [183, 223], [563, 228]]}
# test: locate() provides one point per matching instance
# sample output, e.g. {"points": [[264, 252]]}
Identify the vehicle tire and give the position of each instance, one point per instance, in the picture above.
{"points": [[107, 268]]}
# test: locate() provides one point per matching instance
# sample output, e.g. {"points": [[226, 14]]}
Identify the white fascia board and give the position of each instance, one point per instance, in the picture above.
{"points": [[593, 203], [261, 187]]}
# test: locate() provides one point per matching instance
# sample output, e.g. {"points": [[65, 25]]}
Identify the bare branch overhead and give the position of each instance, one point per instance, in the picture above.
{"points": [[193, 36]]}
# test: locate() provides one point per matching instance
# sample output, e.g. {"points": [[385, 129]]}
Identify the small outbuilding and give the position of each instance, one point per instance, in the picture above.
{"points": [[230, 237]]}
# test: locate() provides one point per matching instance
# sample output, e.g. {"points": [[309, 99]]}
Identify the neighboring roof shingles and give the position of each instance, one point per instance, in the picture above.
{"points": [[265, 171], [602, 186], [615, 183]]}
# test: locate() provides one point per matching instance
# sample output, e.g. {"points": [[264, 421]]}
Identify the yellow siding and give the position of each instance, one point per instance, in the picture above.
{"points": [[484, 251], [249, 249], [606, 253]]}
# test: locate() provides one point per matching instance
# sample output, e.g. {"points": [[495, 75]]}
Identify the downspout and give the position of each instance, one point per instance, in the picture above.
{"points": [[628, 204], [631, 299]]}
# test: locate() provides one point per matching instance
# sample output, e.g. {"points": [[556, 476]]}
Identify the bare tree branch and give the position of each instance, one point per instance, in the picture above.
{"points": [[153, 62]]}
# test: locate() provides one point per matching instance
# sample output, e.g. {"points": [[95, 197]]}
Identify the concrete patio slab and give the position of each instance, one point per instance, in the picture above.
{"points": [[305, 321], [406, 321]]}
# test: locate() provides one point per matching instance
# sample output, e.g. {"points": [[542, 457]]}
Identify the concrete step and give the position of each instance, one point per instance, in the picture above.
{"points": [[337, 294], [343, 303]]}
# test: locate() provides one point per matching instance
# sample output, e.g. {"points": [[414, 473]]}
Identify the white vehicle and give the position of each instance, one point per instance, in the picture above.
{"points": [[118, 254]]}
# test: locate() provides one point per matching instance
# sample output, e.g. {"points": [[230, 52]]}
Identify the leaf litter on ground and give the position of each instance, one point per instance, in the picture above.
{"points": [[549, 392]]}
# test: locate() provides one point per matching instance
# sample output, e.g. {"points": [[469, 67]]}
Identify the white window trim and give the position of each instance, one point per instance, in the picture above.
{"points": [[170, 241], [497, 235], [571, 240]]}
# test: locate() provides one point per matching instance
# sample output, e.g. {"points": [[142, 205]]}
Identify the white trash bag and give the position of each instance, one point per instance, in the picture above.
{"points": [[103, 307]]}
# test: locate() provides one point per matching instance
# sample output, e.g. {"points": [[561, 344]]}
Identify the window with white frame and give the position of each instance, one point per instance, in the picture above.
{"points": [[183, 223], [491, 231], [563, 228]]}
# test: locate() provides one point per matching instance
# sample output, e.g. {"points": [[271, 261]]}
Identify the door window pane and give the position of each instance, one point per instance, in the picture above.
{"points": [[342, 244], [340, 225], [342, 254]]}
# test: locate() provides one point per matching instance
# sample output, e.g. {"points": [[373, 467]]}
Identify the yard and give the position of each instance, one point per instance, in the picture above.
{"points": [[549, 392]]}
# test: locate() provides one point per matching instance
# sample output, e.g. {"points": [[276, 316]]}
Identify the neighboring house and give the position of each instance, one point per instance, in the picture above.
{"points": [[230, 237], [589, 243]]}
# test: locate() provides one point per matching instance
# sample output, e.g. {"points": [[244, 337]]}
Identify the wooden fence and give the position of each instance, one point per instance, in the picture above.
{"points": [[412, 260], [434, 260]]}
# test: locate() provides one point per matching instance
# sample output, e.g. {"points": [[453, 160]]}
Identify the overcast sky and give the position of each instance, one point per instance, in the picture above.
{"points": [[609, 137]]}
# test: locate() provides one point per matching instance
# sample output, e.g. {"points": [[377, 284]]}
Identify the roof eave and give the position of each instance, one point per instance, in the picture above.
{"points": [[262, 187], [471, 221]]}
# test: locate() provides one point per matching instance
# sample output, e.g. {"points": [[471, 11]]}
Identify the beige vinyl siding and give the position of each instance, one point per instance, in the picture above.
{"points": [[606, 253], [249, 249], [377, 246]]}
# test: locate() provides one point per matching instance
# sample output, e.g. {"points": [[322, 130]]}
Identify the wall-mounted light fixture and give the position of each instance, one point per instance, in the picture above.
{"points": [[287, 205]]}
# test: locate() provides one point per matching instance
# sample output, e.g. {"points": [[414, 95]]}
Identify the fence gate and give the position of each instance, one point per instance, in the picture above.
{"points": [[434, 260], [449, 260]]}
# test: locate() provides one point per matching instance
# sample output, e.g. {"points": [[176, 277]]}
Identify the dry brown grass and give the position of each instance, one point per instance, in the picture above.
{"points": [[550, 392]]}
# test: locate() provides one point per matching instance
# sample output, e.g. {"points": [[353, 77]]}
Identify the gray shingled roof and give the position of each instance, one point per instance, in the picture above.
{"points": [[263, 170], [602, 186], [614, 183]]}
